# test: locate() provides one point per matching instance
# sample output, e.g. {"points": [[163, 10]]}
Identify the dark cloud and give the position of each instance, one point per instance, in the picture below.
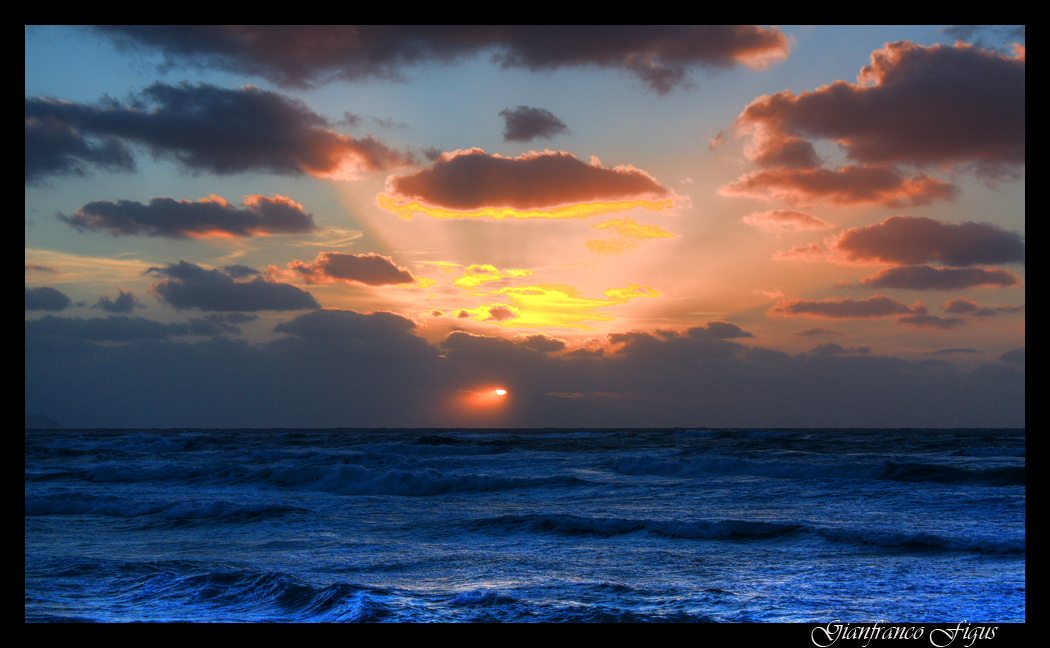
{"points": [[849, 185], [207, 217], [840, 308], [472, 179], [910, 240], [124, 303], [542, 343], [662, 57], [924, 277], [190, 286], [240, 271], [54, 147], [205, 129], [718, 331], [920, 105], [46, 298], [486, 350], [370, 269], [524, 124]]}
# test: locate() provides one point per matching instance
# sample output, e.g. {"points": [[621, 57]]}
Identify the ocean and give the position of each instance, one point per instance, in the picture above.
{"points": [[513, 525]]}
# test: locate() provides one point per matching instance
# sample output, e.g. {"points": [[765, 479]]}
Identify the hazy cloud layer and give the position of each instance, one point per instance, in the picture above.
{"points": [[370, 269], [924, 277], [473, 179], [202, 127], [188, 285], [116, 328], [660, 56], [206, 217], [46, 298], [913, 104], [909, 240], [341, 368], [1014, 357], [785, 220], [524, 124]]}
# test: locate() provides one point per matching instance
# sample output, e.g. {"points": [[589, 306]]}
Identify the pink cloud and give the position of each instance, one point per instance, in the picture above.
{"points": [[849, 185]]}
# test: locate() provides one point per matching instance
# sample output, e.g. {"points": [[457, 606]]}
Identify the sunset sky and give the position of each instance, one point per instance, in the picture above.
{"points": [[630, 226]]}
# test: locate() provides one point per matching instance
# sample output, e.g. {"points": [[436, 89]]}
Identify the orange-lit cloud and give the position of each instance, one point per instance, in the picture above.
{"points": [[785, 220], [370, 269], [552, 184], [847, 186]]}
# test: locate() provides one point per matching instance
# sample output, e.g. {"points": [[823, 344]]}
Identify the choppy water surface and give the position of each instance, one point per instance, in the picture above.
{"points": [[525, 525]]}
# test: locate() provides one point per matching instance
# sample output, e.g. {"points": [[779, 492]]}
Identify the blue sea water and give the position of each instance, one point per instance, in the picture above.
{"points": [[810, 526]]}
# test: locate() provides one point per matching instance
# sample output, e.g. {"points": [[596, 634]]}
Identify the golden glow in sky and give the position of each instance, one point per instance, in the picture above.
{"points": [[407, 210]]}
